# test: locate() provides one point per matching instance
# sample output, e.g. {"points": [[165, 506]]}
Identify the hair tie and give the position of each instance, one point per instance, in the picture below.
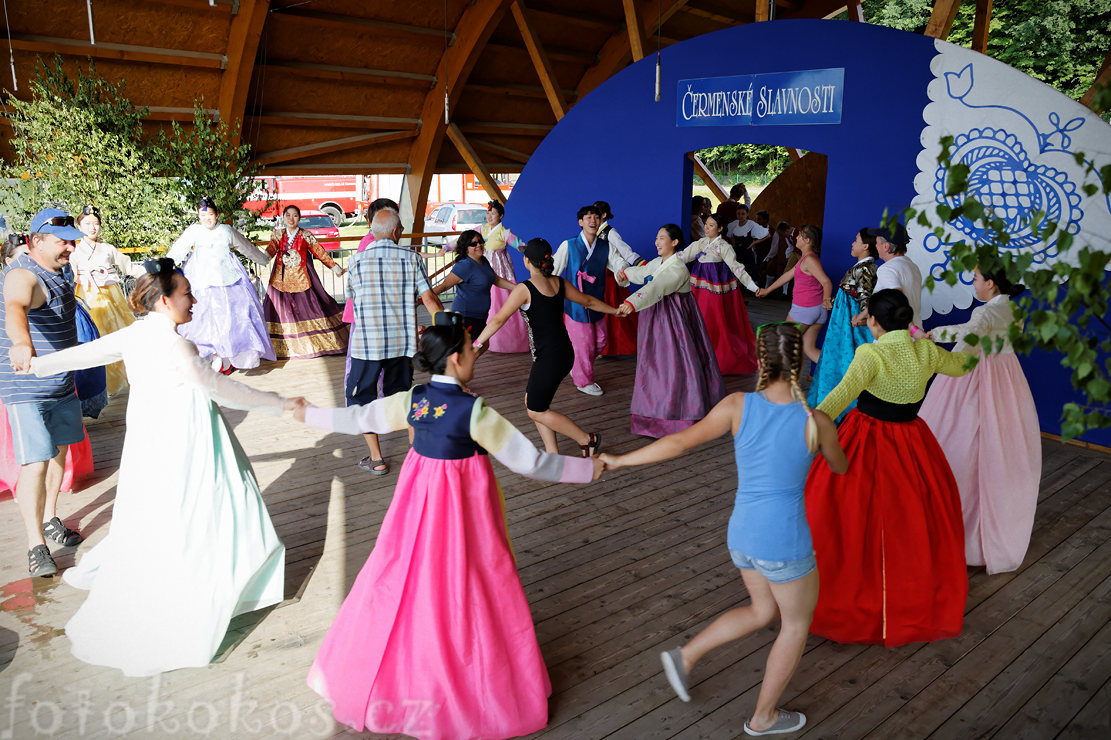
{"points": [[160, 266]]}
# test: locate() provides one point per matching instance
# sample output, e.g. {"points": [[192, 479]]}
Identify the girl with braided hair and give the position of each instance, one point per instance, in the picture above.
{"points": [[775, 437]]}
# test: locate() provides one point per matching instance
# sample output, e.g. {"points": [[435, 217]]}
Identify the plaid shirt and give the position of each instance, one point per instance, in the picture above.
{"points": [[384, 282]]}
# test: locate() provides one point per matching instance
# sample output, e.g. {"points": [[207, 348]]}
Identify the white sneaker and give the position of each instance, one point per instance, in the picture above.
{"points": [[591, 390]]}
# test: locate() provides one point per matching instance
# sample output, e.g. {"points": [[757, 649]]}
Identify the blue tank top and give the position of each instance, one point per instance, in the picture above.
{"points": [[52, 328], [769, 515]]}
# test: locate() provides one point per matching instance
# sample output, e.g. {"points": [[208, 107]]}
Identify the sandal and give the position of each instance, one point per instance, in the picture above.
{"points": [[592, 444], [58, 532], [371, 466]]}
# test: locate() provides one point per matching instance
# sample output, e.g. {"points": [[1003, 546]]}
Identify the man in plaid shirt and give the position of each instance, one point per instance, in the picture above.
{"points": [[384, 281]]}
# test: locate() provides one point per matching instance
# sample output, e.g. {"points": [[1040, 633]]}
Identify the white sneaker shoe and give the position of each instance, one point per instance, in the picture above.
{"points": [[591, 390]]}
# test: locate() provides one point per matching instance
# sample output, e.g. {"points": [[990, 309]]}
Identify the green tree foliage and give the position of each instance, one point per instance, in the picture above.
{"points": [[1064, 310], [734, 163], [76, 143], [79, 142], [205, 161], [1061, 42]]}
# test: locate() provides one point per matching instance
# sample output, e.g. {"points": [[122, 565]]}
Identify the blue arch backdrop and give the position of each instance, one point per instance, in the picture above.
{"points": [[619, 145]]}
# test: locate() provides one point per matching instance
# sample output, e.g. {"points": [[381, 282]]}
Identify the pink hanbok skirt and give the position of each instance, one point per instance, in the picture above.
{"points": [[436, 639], [988, 427], [513, 336]]}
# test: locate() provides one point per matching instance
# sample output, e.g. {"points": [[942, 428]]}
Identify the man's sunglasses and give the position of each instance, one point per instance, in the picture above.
{"points": [[58, 221]]}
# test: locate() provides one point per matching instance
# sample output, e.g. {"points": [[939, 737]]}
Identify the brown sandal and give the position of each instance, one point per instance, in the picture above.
{"points": [[592, 444]]}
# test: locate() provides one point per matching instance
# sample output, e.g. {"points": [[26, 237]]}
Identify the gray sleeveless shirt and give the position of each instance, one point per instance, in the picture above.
{"points": [[52, 328]]}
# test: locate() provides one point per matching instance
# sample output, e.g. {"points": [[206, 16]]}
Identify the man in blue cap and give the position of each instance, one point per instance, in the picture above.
{"points": [[36, 318]]}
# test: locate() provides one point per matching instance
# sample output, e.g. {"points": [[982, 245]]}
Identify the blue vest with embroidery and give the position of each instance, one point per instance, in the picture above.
{"points": [[440, 414], [595, 266]]}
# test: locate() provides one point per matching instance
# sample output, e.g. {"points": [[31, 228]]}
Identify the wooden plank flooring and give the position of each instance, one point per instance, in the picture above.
{"points": [[614, 572]]}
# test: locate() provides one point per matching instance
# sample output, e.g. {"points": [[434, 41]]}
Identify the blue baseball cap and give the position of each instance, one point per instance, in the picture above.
{"points": [[56, 222]]}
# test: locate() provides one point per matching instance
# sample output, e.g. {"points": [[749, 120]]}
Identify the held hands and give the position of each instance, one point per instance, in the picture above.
{"points": [[624, 310], [20, 357], [599, 467], [611, 462], [761, 292], [297, 406], [827, 303]]}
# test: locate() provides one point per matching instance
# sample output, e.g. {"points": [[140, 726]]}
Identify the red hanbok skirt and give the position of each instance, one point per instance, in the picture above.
{"points": [[888, 536]]}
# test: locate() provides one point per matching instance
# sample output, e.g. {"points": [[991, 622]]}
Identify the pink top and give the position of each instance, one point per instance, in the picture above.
{"points": [[349, 306], [808, 291]]}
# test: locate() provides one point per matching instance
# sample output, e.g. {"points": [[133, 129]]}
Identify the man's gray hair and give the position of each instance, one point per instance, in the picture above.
{"points": [[385, 223]]}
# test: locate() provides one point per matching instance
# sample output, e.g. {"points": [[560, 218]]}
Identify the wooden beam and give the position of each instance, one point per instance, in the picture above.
{"points": [[352, 74], [856, 12], [715, 17], [615, 52], [793, 154], [582, 20], [763, 10], [539, 59], [941, 19], [332, 145], [634, 29], [473, 31], [515, 155], [121, 52], [474, 162], [520, 91], [708, 178], [500, 128], [308, 14], [555, 53], [164, 113], [386, 168], [980, 27], [1102, 78], [333, 120], [243, 39]]}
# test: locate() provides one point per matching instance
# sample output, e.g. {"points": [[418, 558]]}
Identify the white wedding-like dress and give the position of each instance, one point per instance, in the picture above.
{"points": [[190, 544]]}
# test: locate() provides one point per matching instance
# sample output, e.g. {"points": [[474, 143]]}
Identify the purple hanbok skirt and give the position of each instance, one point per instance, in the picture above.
{"points": [[227, 321], [677, 378], [305, 324]]}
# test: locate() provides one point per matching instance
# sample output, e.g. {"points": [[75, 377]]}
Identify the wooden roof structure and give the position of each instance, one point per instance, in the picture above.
{"points": [[359, 86]]}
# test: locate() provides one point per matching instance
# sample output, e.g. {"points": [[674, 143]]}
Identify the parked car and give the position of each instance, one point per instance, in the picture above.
{"points": [[453, 217], [320, 225]]}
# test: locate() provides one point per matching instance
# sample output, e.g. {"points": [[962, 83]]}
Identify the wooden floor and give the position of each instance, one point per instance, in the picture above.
{"points": [[615, 572]]}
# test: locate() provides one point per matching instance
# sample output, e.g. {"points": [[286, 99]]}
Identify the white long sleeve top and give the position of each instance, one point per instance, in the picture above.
{"points": [[668, 276], [718, 250], [990, 322], [213, 261]]}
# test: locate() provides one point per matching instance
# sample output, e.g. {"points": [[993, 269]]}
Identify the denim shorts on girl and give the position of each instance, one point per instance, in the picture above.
{"points": [[776, 571], [809, 314]]}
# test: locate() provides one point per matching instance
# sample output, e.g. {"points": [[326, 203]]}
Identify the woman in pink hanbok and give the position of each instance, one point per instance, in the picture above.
{"points": [[513, 336], [988, 427], [435, 639]]}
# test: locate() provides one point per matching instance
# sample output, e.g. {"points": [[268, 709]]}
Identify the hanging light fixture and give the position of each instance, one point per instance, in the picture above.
{"points": [[659, 22], [447, 93], [11, 51], [92, 34]]}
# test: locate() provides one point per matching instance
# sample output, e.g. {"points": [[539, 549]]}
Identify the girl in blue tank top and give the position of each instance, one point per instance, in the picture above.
{"points": [[775, 437]]}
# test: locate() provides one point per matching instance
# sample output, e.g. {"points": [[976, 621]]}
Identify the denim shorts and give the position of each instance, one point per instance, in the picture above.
{"points": [[809, 314], [776, 571], [39, 428]]}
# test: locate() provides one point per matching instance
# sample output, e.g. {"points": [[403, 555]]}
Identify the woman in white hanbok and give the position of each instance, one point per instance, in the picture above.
{"points": [[190, 544]]}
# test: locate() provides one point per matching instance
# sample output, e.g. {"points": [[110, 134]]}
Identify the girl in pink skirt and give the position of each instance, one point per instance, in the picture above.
{"points": [[988, 427], [435, 639]]}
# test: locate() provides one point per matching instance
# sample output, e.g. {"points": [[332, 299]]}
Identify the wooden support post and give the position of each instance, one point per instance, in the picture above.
{"points": [[470, 156], [980, 27], [539, 59], [856, 13], [941, 20], [633, 26], [708, 178], [763, 10], [793, 154], [1102, 77], [472, 32], [235, 80]]}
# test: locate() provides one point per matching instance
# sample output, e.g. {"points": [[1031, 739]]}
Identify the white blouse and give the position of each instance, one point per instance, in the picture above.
{"points": [[990, 322]]}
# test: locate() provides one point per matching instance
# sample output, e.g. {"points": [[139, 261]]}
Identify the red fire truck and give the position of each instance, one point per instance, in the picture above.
{"points": [[336, 195]]}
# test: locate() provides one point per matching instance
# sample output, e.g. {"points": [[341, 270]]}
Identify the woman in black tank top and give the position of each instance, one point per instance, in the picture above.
{"points": [[541, 299]]}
